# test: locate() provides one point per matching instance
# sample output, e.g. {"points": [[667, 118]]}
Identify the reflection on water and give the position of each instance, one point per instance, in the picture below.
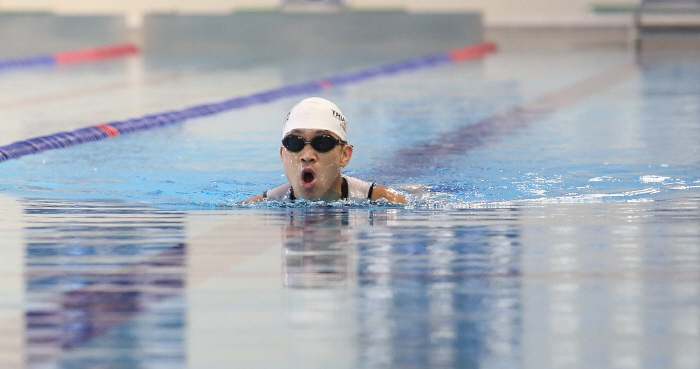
{"points": [[104, 285], [427, 294], [613, 285], [443, 295], [609, 285], [316, 249], [599, 285]]}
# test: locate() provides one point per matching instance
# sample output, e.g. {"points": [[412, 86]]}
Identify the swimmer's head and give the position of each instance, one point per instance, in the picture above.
{"points": [[318, 114], [314, 149]]}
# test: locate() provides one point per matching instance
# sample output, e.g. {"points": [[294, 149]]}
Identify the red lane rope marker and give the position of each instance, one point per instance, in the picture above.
{"points": [[472, 52], [97, 53], [325, 84], [109, 130]]}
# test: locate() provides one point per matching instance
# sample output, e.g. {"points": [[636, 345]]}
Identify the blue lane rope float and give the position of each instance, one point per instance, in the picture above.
{"points": [[112, 129], [27, 62]]}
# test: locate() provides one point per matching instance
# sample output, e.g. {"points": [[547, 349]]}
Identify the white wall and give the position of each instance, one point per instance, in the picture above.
{"points": [[512, 12], [496, 12]]}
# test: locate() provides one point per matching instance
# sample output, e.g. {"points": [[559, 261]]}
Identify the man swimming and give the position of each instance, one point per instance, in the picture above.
{"points": [[314, 149]]}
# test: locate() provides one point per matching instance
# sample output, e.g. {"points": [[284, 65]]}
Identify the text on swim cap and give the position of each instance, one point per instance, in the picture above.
{"points": [[341, 118]]}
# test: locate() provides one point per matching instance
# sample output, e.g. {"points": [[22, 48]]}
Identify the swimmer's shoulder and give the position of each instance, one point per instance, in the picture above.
{"points": [[277, 193], [360, 189], [380, 191]]}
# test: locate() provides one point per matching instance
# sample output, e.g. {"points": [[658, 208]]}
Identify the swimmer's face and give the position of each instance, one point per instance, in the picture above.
{"points": [[315, 175]]}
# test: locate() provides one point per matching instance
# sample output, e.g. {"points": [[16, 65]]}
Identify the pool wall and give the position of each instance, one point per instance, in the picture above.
{"points": [[263, 35], [29, 34]]}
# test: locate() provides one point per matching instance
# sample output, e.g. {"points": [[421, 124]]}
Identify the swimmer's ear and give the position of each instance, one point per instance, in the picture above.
{"points": [[347, 154]]}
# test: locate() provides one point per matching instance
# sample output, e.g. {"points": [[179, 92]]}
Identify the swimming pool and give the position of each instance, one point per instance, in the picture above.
{"points": [[552, 220]]}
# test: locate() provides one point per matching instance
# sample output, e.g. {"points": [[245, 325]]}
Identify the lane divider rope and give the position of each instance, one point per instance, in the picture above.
{"points": [[68, 57], [112, 129]]}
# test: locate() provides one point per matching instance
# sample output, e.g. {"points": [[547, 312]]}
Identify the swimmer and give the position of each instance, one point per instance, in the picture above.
{"points": [[314, 149]]}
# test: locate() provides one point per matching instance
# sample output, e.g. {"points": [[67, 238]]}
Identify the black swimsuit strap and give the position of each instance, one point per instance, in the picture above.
{"points": [[369, 193], [344, 189]]}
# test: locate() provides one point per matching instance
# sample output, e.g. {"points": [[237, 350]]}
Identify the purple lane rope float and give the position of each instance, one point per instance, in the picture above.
{"points": [[112, 129], [70, 57]]}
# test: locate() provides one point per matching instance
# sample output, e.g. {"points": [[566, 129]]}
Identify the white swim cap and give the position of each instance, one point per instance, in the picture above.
{"points": [[316, 113]]}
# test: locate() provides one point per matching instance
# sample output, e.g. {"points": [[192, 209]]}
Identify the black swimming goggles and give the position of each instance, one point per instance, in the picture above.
{"points": [[323, 143]]}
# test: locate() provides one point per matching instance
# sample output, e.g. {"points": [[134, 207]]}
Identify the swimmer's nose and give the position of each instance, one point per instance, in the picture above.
{"points": [[308, 154]]}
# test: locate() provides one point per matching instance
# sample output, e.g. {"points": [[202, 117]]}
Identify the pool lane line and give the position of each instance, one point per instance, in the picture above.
{"points": [[111, 129], [410, 161], [70, 57]]}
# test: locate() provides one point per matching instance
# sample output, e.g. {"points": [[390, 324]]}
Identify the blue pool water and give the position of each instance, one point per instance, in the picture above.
{"points": [[452, 129], [552, 221]]}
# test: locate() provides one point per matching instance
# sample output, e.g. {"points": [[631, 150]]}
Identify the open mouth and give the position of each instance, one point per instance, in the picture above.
{"points": [[308, 178]]}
